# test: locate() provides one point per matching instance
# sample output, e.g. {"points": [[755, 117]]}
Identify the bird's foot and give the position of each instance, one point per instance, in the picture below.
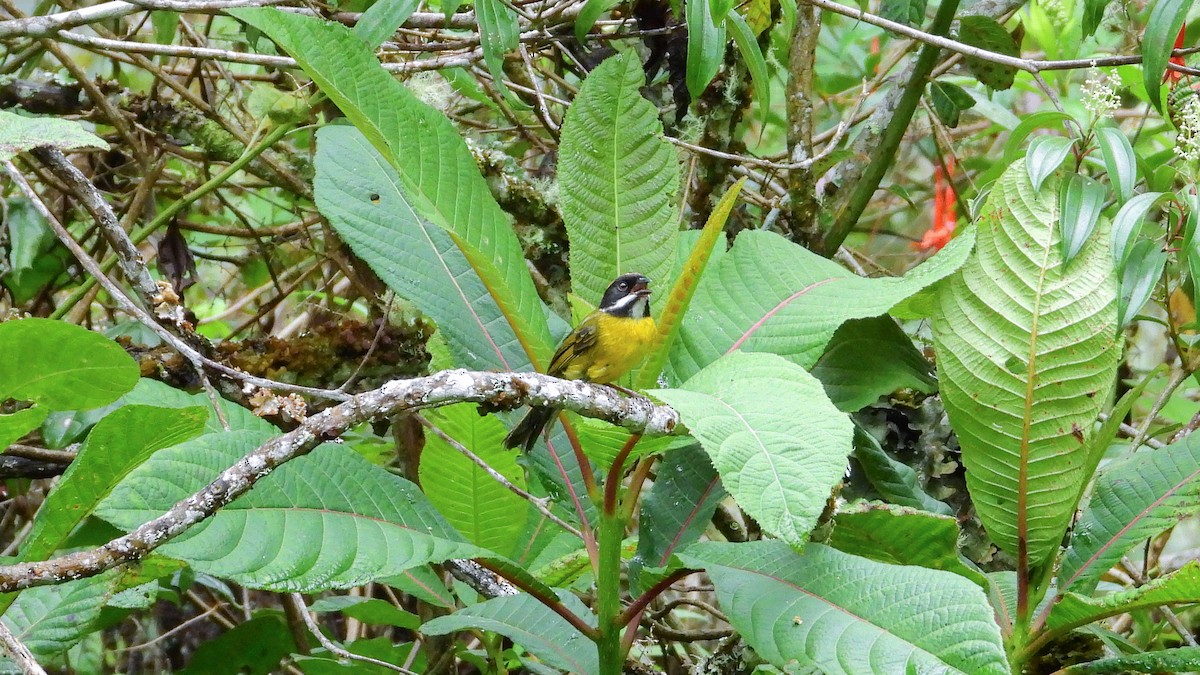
{"points": [[626, 390]]}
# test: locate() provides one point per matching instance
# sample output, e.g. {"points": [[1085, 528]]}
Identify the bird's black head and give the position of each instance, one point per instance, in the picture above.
{"points": [[628, 296]]}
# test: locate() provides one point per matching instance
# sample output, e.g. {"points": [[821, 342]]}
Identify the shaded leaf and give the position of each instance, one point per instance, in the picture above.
{"points": [[902, 536], [869, 358], [1081, 201], [254, 647], [894, 480], [679, 506], [746, 43], [705, 47], [779, 456], [19, 133], [1177, 660], [1166, 18], [1142, 272], [51, 619], [907, 12], [1128, 223], [589, 14], [368, 610], [986, 33], [1093, 14], [949, 101], [499, 33]]}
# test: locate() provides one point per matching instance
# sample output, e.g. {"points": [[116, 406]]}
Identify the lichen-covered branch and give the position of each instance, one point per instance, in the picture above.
{"points": [[801, 184], [452, 386]]}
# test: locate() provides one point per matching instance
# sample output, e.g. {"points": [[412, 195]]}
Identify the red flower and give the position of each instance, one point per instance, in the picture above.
{"points": [[1174, 76], [945, 220]]}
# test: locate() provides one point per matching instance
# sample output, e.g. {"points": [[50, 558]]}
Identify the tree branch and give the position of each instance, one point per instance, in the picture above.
{"points": [[444, 388], [19, 652]]}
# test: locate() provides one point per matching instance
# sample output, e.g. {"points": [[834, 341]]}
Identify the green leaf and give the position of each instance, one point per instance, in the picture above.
{"points": [[1177, 660], [19, 133], [907, 12], [364, 200], [367, 610], [1081, 202], [619, 179], [1119, 161], [1025, 362], [895, 481], [165, 25], [869, 358], [679, 506], [525, 620], [770, 295], [51, 619], [62, 366], [1133, 499], [15, 425], [949, 101], [602, 441], [254, 647], [121, 441], [1093, 14], [986, 33], [1128, 223], [778, 455], [477, 505], [706, 45], [35, 257], [589, 14], [154, 393], [381, 20], [675, 308], [499, 33], [845, 614], [747, 44], [330, 519], [902, 536], [1166, 18], [1046, 154], [1142, 272], [1074, 610], [1016, 146], [438, 172]]}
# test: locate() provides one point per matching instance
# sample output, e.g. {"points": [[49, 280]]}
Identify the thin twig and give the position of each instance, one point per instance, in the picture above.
{"points": [[18, 652], [334, 648]]}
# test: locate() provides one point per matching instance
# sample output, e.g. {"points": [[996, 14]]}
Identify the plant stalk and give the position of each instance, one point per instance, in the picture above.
{"points": [[608, 594]]}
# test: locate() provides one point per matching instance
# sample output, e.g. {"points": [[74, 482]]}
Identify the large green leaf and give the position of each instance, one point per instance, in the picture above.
{"points": [[51, 619], [1177, 660], [62, 366], [770, 295], [118, 443], [706, 45], [619, 179], [154, 393], [902, 536], [477, 505], [679, 506], [1133, 499], [328, 520], [1074, 610], [19, 133], [525, 620], [845, 614], [437, 172], [778, 443], [1027, 355], [253, 647], [365, 201], [1158, 41]]}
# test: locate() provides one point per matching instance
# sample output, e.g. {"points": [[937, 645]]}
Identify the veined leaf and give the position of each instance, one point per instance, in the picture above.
{"points": [[437, 171], [19, 133], [499, 33], [706, 45], [1119, 160], [845, 614], [746, 43], [365, 201], [902, 536], [907, 12], [51, 619], [895, 481], [1046, 154], [1074, 610], [676, 306], [525, 620], [328, 520], [1081, 201], [62, 366], [770, 295], [778, 455], [1128, 222], [1026, 359], [477, 505], [1166, 18], [619, 179], [1142, 272], [949, 101], [987, 33], [1136, 498], [382, 19], [1175, 660], [118, 443], [679, 506]]}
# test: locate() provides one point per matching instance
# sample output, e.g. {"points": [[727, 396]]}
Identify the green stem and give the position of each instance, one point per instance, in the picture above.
{"points": [[608, 594], [885, 153], [139, 235]]}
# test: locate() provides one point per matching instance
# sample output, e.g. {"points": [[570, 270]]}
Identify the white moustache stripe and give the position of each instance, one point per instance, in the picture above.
{"points": [[629, 302]]}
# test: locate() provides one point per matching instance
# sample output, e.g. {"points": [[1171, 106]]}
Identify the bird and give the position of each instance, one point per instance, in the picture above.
{"points": [[608, 343]]}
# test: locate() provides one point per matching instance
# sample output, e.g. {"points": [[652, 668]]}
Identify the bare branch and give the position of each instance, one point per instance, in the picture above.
{"points": [[297, 601], [444, 388], [18, 652]]}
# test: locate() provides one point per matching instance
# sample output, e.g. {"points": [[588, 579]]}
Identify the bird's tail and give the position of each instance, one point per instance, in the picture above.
{"points": [[526, 433]]}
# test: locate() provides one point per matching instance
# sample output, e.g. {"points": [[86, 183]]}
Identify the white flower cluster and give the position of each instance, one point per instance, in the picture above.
{"points": [[1187, 142], [1098, 95]]}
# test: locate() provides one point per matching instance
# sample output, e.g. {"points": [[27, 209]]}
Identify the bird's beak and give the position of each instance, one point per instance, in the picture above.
{"points": [[641, 289]]}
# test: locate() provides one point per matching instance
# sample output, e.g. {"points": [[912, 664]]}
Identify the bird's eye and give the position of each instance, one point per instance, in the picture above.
{"points": [[623, 286]]}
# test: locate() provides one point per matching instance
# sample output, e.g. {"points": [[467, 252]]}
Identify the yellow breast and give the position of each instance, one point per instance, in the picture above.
{"points": [[620, 344]]}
